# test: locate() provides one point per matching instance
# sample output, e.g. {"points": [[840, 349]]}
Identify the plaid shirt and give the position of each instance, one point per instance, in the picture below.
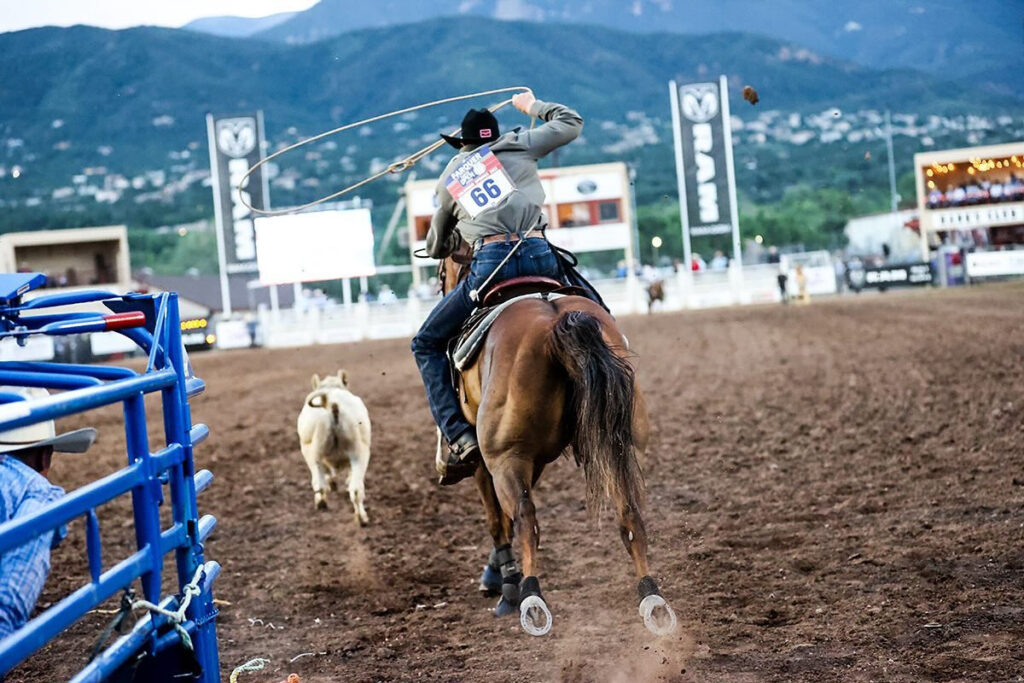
{"points": [[23, 570]]}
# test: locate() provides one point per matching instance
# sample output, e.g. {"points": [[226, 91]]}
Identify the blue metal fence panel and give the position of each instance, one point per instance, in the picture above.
{"points": [[86, 387]]}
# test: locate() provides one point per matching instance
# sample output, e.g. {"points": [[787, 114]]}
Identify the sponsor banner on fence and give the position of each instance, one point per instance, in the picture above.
{"points": [[236, 144], [703, 142], [910, 274], [995, 263]]}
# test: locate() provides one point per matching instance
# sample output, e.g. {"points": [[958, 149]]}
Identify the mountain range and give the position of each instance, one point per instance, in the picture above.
{"points": [[149, 89], [980, 40]]}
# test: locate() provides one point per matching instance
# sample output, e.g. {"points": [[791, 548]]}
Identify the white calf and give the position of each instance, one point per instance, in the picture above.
{"points": [[334, 427]]}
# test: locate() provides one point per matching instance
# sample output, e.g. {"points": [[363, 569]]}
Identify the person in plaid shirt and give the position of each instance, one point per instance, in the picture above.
{"points": [[25, 457]]}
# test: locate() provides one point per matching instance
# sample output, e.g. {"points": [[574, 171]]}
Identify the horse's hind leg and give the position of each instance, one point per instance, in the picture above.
{"points": [[514, 492], [501, 575], [657, 615]]}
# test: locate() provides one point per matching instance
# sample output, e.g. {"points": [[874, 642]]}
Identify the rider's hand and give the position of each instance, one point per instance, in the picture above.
{"points": [[523, 101]]}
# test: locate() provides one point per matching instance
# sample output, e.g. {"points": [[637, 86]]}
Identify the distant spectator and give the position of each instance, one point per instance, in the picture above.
{"points": [[840, 271], [25, 457], [719, 261], [773, 254], [801, 285], [387, 295], [697, 263]]}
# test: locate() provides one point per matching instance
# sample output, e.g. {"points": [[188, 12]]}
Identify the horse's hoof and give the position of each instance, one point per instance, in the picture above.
{"points": [[504, 608], [320, 504], [361, 520], [534, 615], [657, 615], [490, 582]]}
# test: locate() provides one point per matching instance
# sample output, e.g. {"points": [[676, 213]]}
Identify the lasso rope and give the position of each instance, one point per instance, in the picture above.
{"points": [[256, 664], [397, 167]]}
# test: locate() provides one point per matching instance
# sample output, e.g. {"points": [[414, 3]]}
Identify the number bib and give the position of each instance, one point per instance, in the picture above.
{"points": [[480, 182]]}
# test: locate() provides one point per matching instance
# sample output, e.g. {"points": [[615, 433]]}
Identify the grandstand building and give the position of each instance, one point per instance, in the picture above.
{"points": [[971, 202]]}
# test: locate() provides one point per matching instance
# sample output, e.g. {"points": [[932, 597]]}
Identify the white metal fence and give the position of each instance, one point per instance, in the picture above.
{"points": [[337, 323]]}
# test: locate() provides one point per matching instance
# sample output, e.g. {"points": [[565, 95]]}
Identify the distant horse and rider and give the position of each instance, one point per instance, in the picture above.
{"points": [[655, 293]]}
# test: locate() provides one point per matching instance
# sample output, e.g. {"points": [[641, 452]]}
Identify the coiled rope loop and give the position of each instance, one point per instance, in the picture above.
{"points": [[397, 167]]}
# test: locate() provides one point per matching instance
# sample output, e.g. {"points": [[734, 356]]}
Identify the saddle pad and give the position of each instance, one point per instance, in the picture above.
{"points": [[471, 340]]}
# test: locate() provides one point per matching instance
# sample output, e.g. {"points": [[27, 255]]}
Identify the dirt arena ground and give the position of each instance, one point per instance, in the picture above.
{"points": [[836, 492]]}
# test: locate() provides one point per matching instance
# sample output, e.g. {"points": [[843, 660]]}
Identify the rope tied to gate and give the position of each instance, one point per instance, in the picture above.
{"points": [[393, 168], [177, 618]]}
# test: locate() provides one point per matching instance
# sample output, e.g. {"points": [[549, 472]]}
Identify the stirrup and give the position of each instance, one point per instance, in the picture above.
{"points": [[462, 461]]}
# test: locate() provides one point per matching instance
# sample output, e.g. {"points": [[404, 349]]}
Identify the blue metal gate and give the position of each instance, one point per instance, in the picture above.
{"points": [[183, 641]]}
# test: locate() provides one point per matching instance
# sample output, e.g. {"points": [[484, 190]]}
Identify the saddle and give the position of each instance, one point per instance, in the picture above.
{"points": [[464, 347]]}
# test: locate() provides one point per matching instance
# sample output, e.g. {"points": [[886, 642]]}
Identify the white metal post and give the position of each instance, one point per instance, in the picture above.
{"points": [[737, 253], [346, 291], [680, 174], [685, 274]]}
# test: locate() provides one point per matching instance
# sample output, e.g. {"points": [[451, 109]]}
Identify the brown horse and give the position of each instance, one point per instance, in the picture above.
{"points": [[554, 374], [655, 292]]}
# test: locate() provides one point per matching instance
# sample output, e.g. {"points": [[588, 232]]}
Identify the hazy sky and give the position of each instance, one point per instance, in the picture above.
{"points": [[19, 14]]}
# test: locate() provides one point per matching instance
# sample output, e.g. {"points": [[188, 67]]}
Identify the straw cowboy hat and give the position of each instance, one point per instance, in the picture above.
{"points": [[43, 433]]}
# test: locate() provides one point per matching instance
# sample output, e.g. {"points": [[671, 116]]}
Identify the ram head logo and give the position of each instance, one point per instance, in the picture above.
{"points": [[699, 102], [236, 137]]}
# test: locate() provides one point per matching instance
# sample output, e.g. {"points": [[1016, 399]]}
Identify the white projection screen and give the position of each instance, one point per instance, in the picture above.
{"points": [[308, 247]]}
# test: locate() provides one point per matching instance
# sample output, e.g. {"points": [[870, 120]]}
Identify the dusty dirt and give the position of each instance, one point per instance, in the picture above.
{"points": [[836, 493]]}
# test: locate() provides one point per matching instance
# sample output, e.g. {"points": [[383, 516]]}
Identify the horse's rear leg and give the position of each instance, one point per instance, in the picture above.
{"points": [[514, 492], [657, 615], [501, 575]]}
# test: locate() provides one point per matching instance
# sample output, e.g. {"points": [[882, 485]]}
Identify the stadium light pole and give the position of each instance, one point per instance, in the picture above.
{"points": [[894, 198]]}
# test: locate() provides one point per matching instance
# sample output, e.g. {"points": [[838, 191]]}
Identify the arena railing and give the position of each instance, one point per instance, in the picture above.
{"points": [[175, 639]]}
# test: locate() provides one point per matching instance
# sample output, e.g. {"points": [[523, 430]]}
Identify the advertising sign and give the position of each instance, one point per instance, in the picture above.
{"points": [[995, 263], [883, 277], [587, 208], [702, 131], [235, 145], [704, 165], [315, 246]]}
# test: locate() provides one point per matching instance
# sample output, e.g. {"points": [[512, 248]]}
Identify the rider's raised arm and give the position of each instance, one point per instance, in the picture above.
{"points": [[561, 126], [441, 236]]}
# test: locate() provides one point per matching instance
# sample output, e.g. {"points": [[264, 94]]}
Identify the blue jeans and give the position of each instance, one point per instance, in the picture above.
{"points": [[430, 344]]}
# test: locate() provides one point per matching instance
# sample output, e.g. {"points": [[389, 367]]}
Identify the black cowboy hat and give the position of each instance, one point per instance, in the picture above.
{"points": [[479, 126]]}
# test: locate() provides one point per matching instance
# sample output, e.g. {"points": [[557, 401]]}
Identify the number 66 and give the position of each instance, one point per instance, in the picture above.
{"points": [[488, 186]]}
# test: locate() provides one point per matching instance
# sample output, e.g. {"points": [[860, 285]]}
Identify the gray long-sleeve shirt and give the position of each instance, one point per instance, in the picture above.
{"points": [[518, 151]]}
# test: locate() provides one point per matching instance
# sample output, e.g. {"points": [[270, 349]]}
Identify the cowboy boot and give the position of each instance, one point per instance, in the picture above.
{"points": [[461, 461]]}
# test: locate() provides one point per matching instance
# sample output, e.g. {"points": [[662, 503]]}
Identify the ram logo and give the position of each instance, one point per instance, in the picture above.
{"points": [[236, 137], [699, 101]]}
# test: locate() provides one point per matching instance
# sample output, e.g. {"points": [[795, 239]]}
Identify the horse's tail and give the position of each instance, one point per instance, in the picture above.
{"points": [[601, 402]]}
